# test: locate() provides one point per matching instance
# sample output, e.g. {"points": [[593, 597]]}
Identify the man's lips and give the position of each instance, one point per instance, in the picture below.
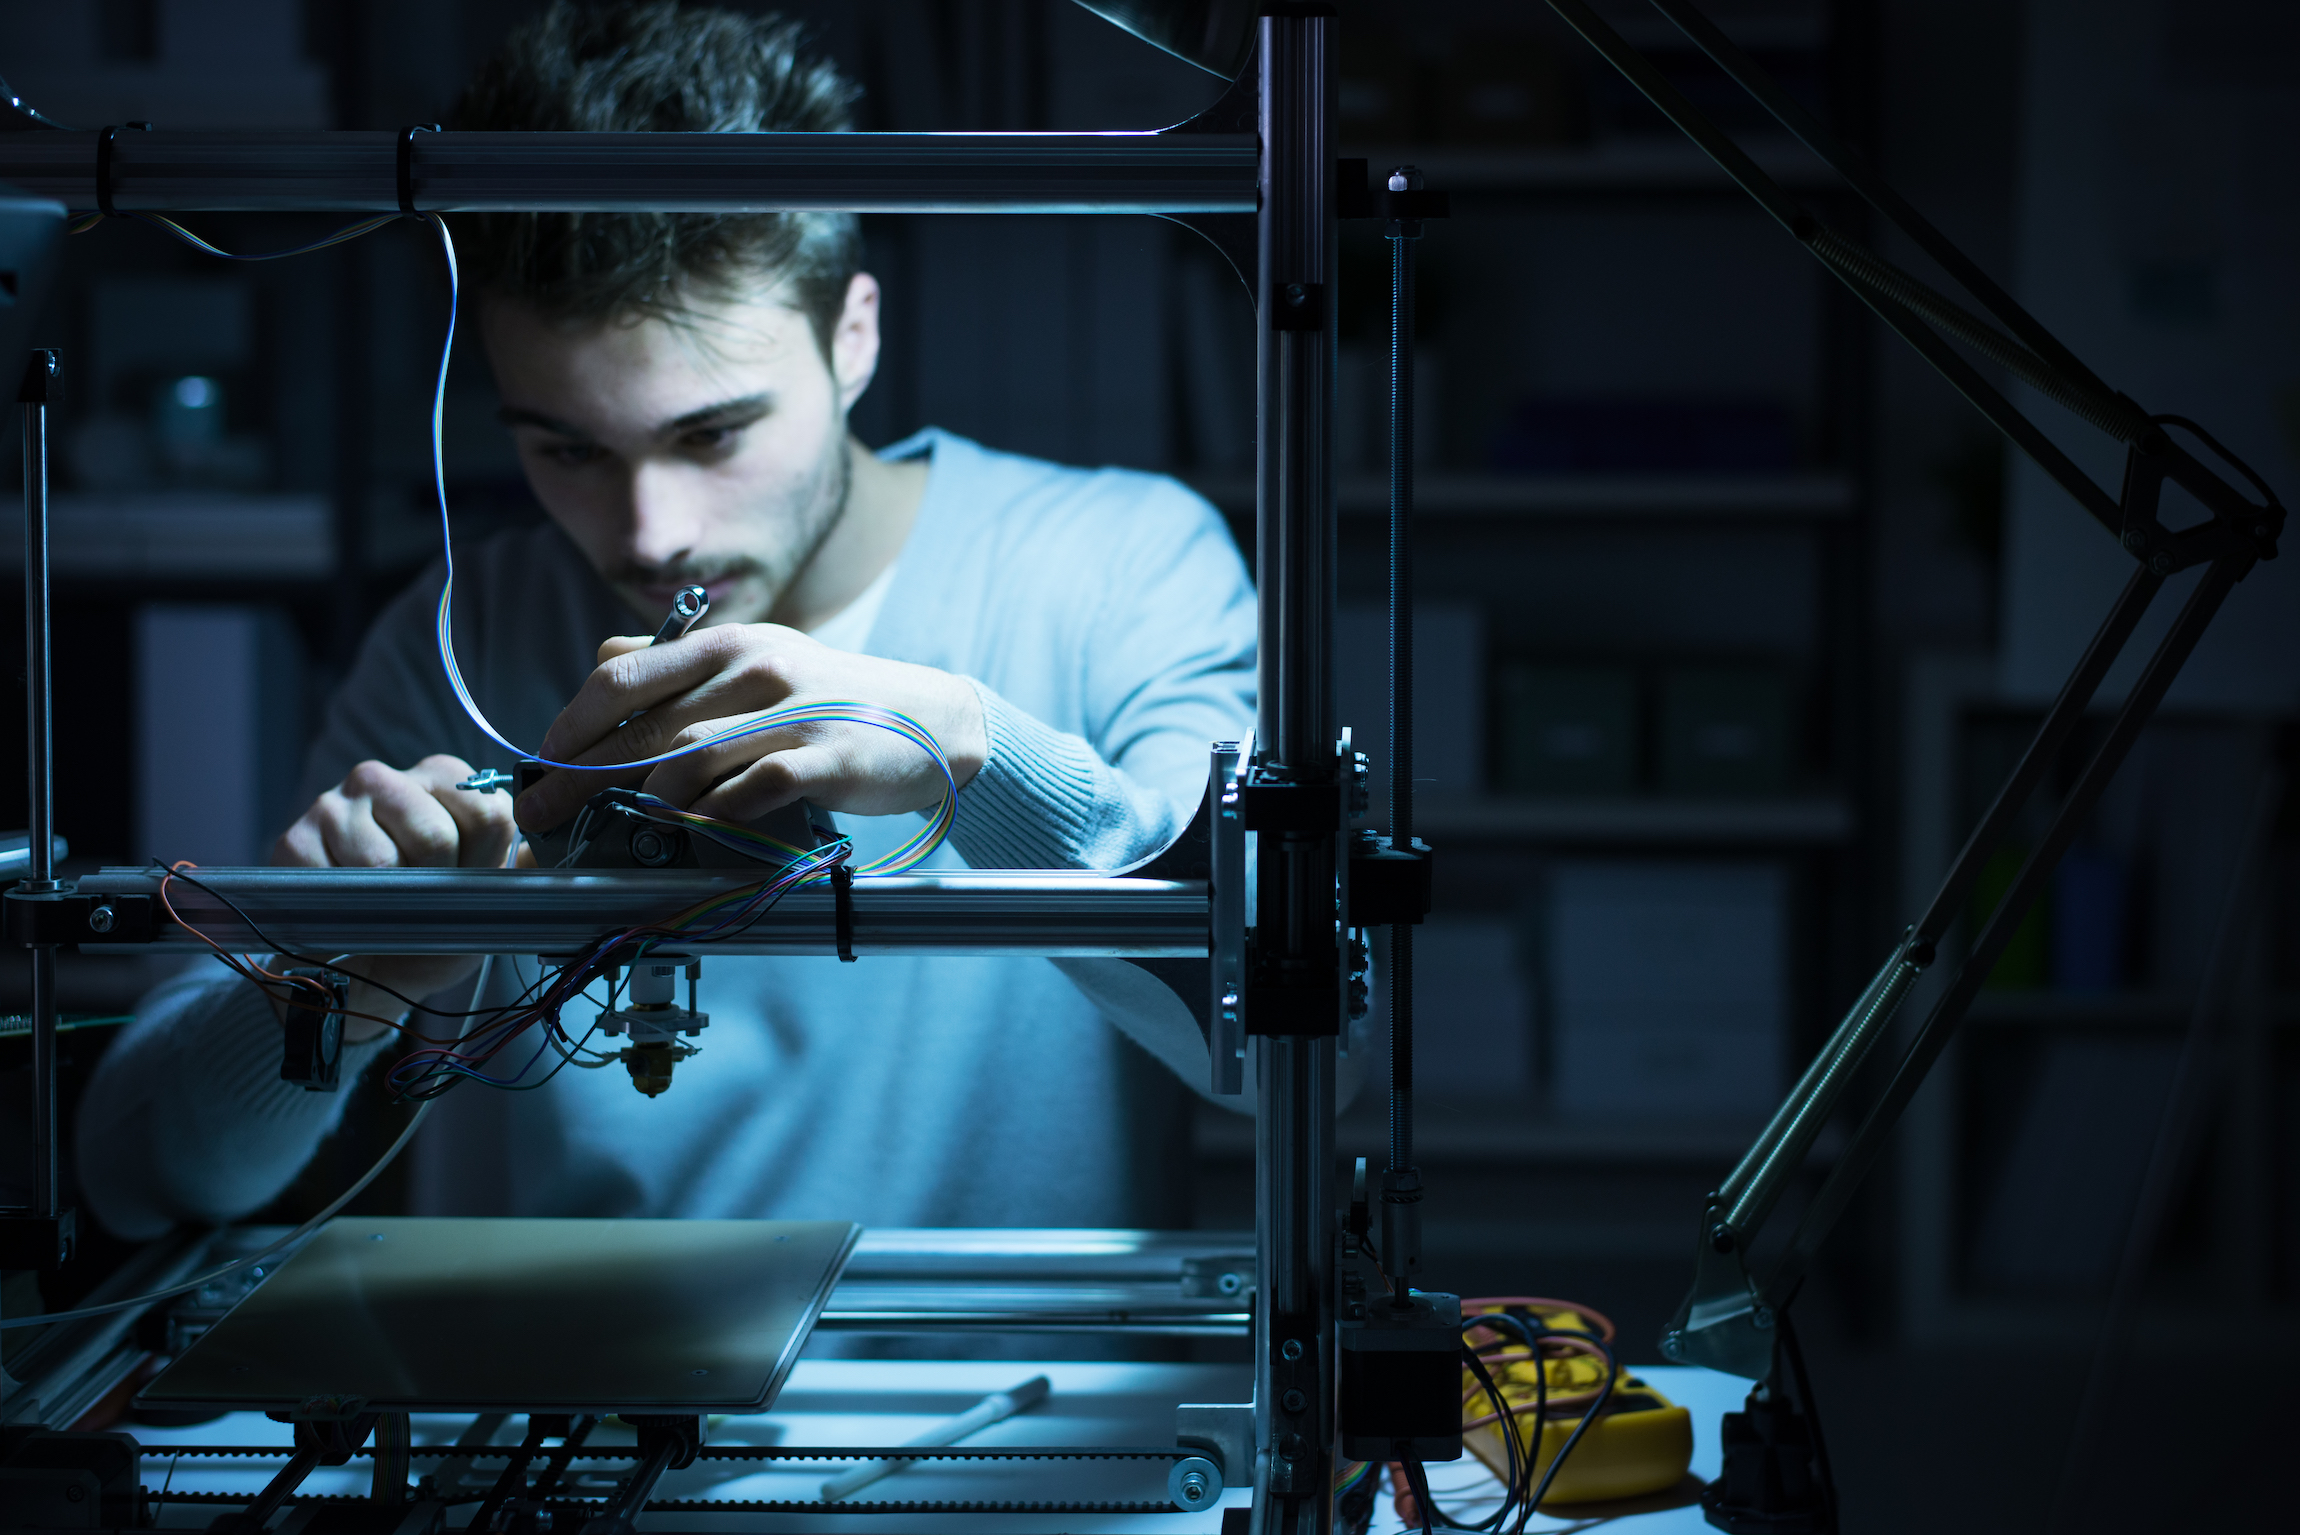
{"points": [[663, 595]]}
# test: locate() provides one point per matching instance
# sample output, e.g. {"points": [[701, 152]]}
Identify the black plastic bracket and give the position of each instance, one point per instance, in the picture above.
{"points": [[1274, 805], [62, 920], [1388, 884], [30, 1241]]}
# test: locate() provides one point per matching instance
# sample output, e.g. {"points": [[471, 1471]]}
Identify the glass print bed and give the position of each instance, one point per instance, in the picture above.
{"points": [[660, 1316]]}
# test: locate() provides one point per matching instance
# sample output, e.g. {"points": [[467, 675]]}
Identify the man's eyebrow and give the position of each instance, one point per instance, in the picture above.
{"points": [[520, 415], [750, 407]]}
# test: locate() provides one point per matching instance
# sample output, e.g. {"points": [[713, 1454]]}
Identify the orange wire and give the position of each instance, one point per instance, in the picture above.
{"points": [[247, 969], [1571, 1399]]}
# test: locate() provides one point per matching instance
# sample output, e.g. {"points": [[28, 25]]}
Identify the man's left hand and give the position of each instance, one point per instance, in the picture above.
{"points": [[690, 689]]}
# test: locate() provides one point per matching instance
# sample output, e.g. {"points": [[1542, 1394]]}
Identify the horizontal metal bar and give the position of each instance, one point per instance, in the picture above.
{"points": [[531, 911], [1170, 1323], [162, 1449], [167, 171]]}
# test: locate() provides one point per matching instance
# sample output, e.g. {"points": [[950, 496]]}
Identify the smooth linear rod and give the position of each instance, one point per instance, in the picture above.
{"points": [[183, 171], [525, 911]]}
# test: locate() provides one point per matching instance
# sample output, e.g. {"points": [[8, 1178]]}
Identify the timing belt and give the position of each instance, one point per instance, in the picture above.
{"points": [[713, 1452]]}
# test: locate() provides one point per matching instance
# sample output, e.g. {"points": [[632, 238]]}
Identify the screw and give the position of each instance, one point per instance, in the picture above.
{"points": [[1762, 1319], [74, 1492], [1294, 1401], [1297, 295], [101, 919], [1673, 1345], [1193, 1487], [1721, 1238], [1229, 1284], [2135, 540], [1291, 1348], [2161, 563]]}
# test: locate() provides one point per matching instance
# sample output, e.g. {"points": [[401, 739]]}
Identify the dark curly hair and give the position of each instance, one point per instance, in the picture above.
{"points": [[658, 67]]}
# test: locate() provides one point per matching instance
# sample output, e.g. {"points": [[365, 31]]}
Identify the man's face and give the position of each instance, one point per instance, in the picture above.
{"points": [[708, 453]]}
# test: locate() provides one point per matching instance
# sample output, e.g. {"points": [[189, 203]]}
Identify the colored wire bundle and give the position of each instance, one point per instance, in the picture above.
{"points": [[426, 1073]]}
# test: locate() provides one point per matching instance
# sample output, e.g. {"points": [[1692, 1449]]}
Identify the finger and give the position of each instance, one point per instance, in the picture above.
{"points": [[418, 824], [773, 782], [349, 835], [482, 821], [688, 777], [301, 846], [621, 645], [622, 685]]}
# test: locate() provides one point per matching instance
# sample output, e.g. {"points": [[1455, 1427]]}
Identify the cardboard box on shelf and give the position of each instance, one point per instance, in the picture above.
{"points": [[1566, 728], [1724, 729], [1665, 987]]}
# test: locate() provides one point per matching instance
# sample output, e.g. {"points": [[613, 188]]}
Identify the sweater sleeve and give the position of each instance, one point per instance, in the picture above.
{"points": [[1045, 799], [187, 1118], [1155, 658]]}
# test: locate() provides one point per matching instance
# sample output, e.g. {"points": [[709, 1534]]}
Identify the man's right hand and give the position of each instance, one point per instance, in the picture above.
{"points": [[382, 818]]}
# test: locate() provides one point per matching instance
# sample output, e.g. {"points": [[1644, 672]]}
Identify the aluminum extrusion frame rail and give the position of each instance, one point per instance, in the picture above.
{"points": [[184, 171], [527, 911]]}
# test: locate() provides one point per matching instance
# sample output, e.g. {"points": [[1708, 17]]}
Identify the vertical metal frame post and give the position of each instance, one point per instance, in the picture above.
{"points": [[48, 1238], [1295, 918]]}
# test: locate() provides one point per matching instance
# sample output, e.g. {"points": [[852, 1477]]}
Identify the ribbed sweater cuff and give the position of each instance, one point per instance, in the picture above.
{"points": [[1042, 799]]}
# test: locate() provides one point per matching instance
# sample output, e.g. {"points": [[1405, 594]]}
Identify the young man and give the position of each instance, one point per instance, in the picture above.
{"points": [[678, 386]]}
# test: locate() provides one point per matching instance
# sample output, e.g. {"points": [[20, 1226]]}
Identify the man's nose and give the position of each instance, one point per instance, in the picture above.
{"points": [[666, 517]]}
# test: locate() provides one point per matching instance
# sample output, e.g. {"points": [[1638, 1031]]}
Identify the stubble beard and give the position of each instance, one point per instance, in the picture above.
{"points": [[769, 572]]}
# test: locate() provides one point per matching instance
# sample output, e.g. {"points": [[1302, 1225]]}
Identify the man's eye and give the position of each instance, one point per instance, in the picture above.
{"points": [[710, 439], [572, 455]]}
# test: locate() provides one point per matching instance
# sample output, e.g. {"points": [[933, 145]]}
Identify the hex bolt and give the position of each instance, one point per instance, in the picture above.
{"points": [[1291, 1348], [101, 919]]}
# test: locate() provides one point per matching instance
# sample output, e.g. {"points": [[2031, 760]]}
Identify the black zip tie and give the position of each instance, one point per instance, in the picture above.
{"points": [[843, 911], [104, 143], [407, 166]]}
